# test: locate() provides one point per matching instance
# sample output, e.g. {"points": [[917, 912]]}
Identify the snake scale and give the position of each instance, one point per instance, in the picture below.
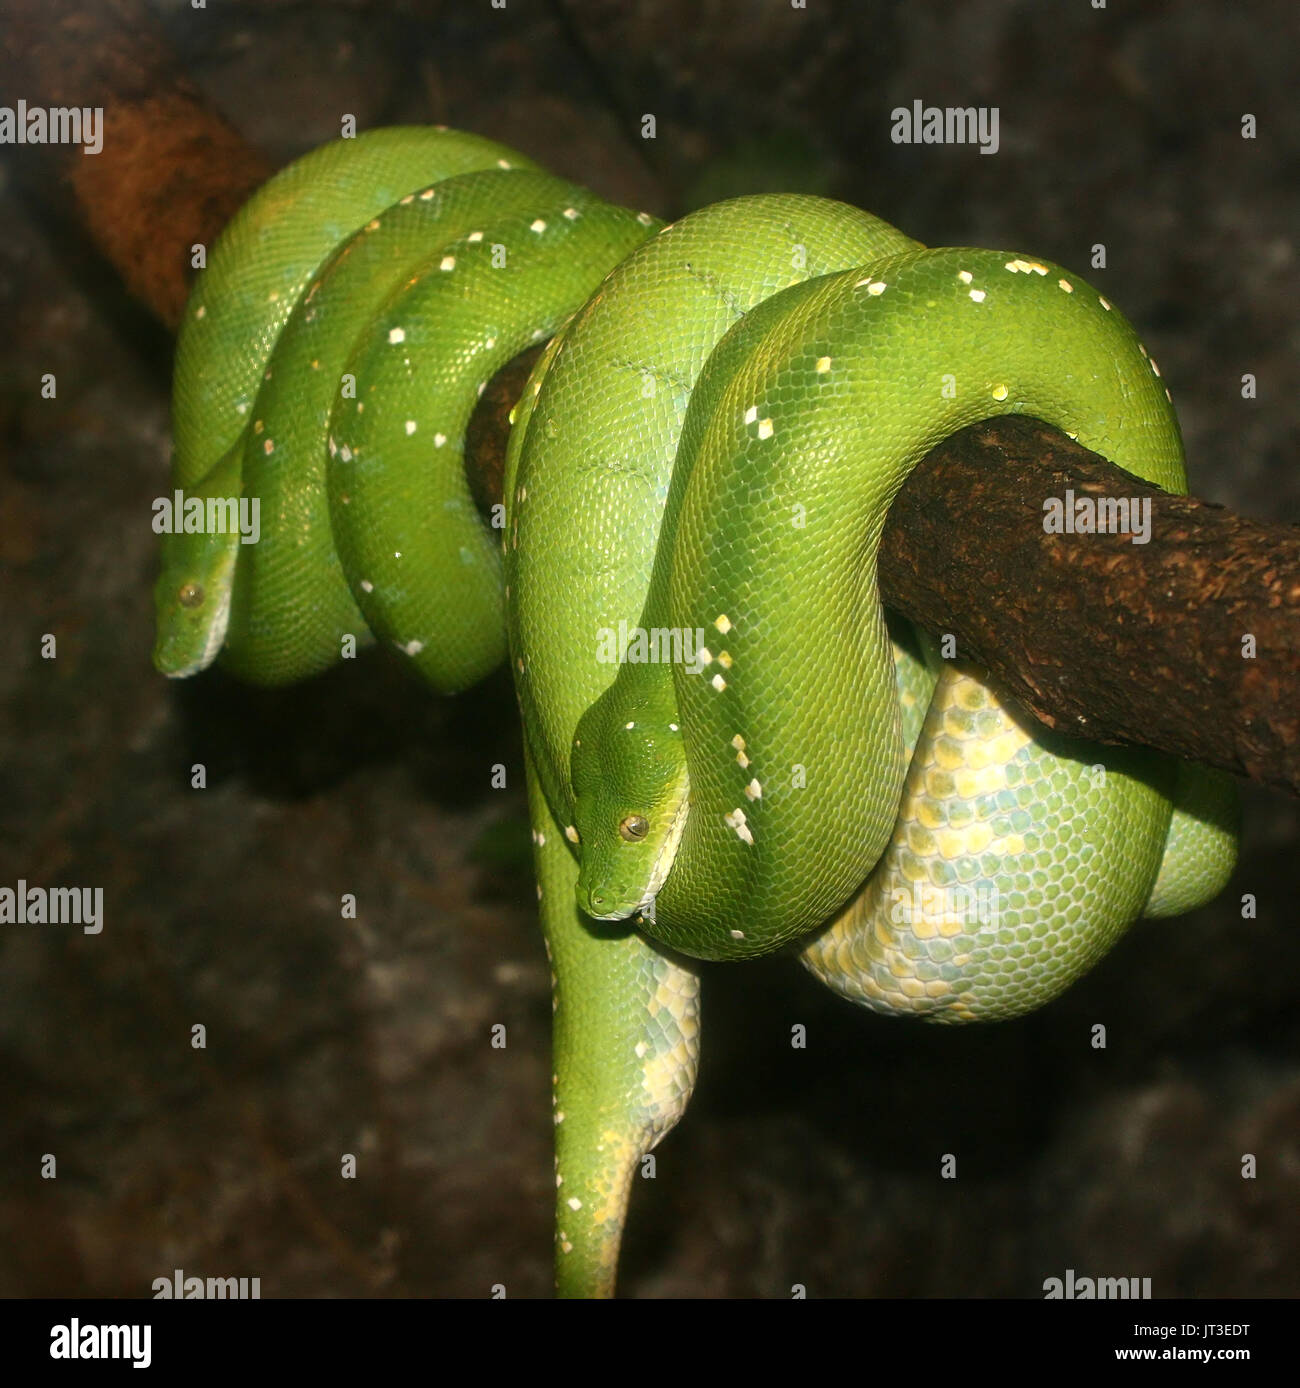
{"points": [[701, 461]]}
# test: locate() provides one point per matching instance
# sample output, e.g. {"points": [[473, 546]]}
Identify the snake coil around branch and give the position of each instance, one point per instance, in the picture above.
{"points": [[731, 748]]}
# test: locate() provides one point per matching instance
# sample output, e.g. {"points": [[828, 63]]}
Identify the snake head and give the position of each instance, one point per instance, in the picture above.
{"points": [[631, 792], [192, 595]]}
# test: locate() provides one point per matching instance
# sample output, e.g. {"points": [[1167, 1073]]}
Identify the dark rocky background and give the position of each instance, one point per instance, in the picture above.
{"points": [[1119, 125]]}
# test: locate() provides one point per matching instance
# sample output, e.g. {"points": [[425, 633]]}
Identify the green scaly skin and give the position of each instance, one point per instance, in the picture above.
{"points": [[1009, 862], [710, 443]]}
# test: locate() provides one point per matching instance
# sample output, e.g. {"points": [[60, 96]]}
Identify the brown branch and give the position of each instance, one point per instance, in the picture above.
{"points": [[1189, 643], [171, 172], [1119, 642]]}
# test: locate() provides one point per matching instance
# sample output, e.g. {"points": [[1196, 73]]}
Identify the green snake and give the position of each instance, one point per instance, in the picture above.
{"points": [[702, 462]]}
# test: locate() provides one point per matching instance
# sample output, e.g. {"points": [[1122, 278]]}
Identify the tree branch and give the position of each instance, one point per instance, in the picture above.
{"points": [[1189, 642]]}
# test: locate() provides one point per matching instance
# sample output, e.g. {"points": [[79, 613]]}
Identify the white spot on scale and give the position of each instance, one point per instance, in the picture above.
{"points": [[718, 683], [427, 195], [704, 656], [396, 335], [977, 295], [627, 727], [754, 791], [644, 218], [1103, 303], [448, 262], [538, 225], [1000, 392], [672, 728], [489, 343], [570, 833], [765, 428], [876, 288], [823, 365], [573, 1203], [345, 453], [1066, 285], [965, 276], [641, 1048], [407, 200], [723, 623], [751, 414], [410, 647], [503, 163], [201, 312], [373, 225], [572, 213], [474, 237], [410, 427], [439, 440], [268, 447], [736, 820], [367, 586], [736, 934]]}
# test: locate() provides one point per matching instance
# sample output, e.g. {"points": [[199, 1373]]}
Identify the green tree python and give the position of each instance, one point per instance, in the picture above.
{"points": [[703, 458]]}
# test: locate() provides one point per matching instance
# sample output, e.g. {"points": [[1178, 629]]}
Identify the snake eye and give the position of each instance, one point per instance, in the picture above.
{"points": [[634, 828], [191, 595]]}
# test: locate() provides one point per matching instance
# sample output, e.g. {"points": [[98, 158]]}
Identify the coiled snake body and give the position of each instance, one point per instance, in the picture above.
{"points": [[704, 457]]}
